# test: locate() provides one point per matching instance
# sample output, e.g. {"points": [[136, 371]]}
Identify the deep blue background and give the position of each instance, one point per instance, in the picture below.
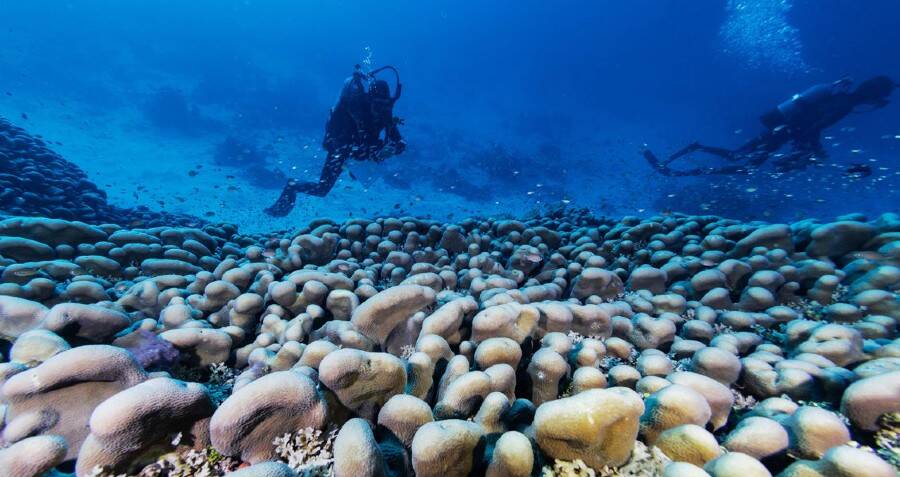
{"points": [[575, 86]]}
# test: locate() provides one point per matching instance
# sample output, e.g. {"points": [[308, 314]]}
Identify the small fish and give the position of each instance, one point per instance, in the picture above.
{"points": [[193, 173], [24, 116], [232, 188], [209, 213], [8, 93], [229, 177]]}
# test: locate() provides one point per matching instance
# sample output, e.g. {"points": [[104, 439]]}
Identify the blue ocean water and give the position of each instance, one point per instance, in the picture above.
{"points": [[208, 107]]}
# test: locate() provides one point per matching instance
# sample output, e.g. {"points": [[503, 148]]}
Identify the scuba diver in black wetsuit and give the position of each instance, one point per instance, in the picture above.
{"points": [[799, 121], [364, 110]]}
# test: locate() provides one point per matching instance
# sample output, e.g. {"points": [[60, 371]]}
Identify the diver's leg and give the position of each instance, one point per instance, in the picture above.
{"points": [[700, 171], [682, 152], [334, 165], [718, 151], [709, 171], [727, 154], [655, 162], [285, 202]]}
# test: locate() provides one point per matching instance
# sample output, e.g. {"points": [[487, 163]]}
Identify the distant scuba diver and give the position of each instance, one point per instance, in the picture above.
{"points": [[361, 126], [799, 121]]}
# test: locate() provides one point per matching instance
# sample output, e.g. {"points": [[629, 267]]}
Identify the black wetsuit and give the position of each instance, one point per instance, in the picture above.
{"points": [[799, 121], [353, 131]]}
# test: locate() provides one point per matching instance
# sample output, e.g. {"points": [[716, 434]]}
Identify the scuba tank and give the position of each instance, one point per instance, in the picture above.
{"points": [[815, 94]]}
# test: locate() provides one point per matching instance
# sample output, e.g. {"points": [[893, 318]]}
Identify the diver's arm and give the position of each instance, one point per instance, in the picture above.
{"points": [[392, 132], [392, 145]]}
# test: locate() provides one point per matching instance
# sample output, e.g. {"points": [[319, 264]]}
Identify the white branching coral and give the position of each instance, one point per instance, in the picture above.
{"points": [[565, 468], [887, 439], [407, 351], [189, 463], [308, 451], [220, 382], [644, 462], [743, 402]]}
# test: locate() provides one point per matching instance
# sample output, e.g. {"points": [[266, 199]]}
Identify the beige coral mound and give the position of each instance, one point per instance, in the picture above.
{"points": [[247, 422], [598, 426], [58, 396], [675, 345]]}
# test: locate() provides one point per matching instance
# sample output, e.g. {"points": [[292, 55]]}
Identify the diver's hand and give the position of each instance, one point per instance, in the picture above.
{"points": [[399, 146], [399, 121], [381, 155]]}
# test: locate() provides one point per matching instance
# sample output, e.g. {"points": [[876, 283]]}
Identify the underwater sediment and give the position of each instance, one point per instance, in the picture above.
{"points": [[559, 344]]}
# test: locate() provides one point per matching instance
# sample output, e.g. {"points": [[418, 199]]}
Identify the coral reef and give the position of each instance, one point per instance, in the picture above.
{"points": [[562, 344]]}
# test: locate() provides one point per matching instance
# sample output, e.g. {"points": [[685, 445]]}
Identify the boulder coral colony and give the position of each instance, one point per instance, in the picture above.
{"points": [[563, 344]]}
